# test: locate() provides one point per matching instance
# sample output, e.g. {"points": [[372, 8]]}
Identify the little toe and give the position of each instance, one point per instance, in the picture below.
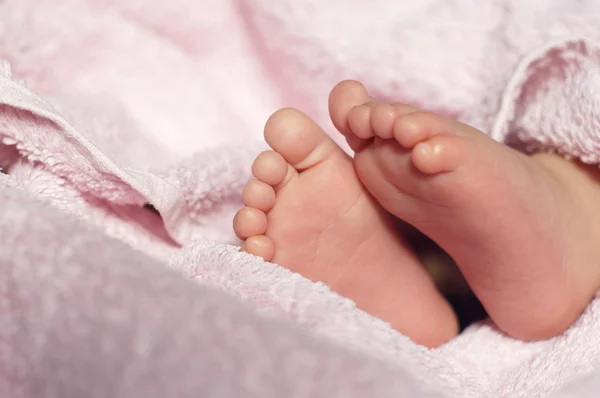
{"points": [[261, 246], [298, 139], [259, 194], [270, 167], [248, 222]]}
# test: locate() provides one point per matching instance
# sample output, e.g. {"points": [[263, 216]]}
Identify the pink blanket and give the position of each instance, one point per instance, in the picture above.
{"points": [[129, 103]]}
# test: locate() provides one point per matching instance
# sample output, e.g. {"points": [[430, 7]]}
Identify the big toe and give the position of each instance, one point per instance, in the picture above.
{"points": [[298, 139]]}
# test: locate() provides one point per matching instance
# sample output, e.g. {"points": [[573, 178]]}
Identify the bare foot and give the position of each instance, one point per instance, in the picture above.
{"points": [[307, 211], [523, 230]]}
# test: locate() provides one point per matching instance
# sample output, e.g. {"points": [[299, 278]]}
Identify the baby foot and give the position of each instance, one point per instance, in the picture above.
{"points": [[307, 211], [523, 230]]}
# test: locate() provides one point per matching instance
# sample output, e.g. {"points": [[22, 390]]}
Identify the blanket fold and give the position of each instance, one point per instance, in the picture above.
{"points": [[139, 110], [84, 315], [551, 103]]}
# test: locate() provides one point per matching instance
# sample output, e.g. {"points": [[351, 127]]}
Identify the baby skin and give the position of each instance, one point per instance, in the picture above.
{"points": [[522, 229]]}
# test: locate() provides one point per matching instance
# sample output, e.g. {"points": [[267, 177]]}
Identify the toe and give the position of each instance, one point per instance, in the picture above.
{"points": [[270, 168], [439, 154], [382, 119], [345, 96], [375, 118], [359, 120], [261, 246], [299, 140], [384, 115], [259, 194], [419, 126], [249, 222]]}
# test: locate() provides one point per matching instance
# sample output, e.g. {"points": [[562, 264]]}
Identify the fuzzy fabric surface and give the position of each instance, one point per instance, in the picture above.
{"points": [[108, 106]]}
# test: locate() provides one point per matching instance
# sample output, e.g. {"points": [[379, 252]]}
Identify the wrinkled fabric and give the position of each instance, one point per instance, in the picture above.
{"points": [[109, 107], [84, 315]]}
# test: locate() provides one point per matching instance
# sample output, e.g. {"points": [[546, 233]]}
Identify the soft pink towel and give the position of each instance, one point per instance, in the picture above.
{"points": [[163, 103]]}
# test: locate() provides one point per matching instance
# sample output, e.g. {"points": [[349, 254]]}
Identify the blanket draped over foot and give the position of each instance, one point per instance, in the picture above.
{"points": [[112, 112]]}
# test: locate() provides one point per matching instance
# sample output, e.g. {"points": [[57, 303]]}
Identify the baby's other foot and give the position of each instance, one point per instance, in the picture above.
{"points": [[523, 230], [307, 211]]}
